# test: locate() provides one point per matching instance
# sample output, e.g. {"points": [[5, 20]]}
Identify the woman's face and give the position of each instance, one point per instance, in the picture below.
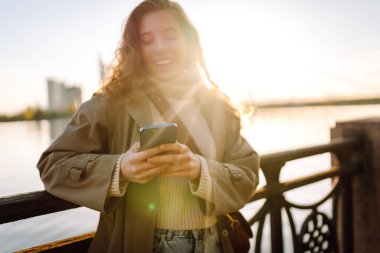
{"points": [[163, 45]]}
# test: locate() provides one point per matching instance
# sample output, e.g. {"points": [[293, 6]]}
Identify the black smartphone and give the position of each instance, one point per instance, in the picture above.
{"points": [[155, 135]]}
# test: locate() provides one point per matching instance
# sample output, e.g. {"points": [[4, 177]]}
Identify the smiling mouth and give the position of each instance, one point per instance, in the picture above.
{"points": [[163, 62]]}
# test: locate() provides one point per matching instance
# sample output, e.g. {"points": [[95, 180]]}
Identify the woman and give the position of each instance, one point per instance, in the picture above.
{"points": [[166, 198]]}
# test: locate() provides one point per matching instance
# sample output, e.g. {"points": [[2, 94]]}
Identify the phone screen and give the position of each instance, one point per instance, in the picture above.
{"points": [[155, 135]]}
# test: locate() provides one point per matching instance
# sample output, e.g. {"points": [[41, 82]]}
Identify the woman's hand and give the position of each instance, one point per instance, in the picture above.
{"points": [[180, 160], [134, 166]]}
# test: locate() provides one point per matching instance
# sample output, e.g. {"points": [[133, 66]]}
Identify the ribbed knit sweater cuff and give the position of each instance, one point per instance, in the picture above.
{"points": [[117, 188], [204, 189]]}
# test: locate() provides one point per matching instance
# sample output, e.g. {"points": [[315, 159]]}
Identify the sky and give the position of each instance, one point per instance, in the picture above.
{"points": [[260, 50]]}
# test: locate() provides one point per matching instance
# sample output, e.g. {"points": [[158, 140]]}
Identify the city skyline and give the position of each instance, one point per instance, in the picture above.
{"points": [[63, 96], [272, 50]]}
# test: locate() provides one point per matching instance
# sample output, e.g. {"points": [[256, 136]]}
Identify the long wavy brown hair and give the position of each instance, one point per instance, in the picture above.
{"points": [[128, 72]]}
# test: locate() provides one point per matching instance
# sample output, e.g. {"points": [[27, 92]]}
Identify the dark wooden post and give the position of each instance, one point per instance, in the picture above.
{"points": [[358, 214]]}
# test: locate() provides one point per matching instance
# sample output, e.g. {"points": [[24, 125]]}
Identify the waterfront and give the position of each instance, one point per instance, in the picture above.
{"points": [[268, 131]]}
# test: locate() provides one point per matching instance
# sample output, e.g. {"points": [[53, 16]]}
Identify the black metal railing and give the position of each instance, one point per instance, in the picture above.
{"points": [[317, 233]]}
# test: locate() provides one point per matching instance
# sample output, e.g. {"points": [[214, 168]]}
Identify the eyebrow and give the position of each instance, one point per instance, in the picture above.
{"points": [[164, 30]]}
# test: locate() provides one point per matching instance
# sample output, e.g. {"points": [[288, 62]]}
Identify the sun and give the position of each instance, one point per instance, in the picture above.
{"points": [[257, 55]]}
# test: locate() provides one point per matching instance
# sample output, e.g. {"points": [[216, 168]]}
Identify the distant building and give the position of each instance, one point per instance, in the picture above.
{"points": [[103, 70], [61, 96]]}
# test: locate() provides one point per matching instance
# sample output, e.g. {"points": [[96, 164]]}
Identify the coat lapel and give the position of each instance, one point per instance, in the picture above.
{"points": [[139, 107], [141, 200]]}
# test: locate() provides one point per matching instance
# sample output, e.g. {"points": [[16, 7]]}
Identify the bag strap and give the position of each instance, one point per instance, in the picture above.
{"points": [[163, 106]]}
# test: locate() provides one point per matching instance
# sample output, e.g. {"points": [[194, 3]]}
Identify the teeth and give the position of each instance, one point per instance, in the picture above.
{"points": [[163, 62]]}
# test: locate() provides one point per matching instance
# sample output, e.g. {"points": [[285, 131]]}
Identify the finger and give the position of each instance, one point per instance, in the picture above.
{"points": [[135, 147], [174, 147], [168, 158], [154, 171], [144, 155], [172, 168], [142, 167]]}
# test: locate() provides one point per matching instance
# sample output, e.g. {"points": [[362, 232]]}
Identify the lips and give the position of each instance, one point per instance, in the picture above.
{"points": [[163, 62]]}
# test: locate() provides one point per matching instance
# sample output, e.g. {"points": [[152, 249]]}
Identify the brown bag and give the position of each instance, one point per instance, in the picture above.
{"points": [[236, 228]]}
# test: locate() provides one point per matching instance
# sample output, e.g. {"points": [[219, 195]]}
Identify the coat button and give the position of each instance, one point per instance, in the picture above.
{"points": [[235, 175], [225, 232], [76, 174]]}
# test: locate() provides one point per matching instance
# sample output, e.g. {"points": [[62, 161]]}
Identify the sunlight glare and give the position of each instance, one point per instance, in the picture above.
{"points": [[250, 52]]}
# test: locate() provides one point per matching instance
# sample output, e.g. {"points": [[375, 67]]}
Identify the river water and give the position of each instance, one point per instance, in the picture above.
{"points": [[268, 130]]}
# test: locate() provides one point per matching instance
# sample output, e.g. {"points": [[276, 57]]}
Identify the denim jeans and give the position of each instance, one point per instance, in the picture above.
{"points": [[186, 241]]}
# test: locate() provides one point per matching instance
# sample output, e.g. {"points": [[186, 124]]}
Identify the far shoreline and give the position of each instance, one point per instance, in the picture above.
{"points": [[36, 115], [333, 102]]}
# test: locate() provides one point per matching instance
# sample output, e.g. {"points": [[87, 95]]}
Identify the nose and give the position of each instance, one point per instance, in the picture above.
{"points": [[161, 45]]}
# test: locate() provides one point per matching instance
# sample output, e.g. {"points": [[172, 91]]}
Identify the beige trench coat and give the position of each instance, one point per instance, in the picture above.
{"points": [[78, 166]]}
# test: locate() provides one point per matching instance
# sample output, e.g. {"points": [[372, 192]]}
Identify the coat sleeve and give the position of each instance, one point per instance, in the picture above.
{"points": [[76, 166], [235, 177]]}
